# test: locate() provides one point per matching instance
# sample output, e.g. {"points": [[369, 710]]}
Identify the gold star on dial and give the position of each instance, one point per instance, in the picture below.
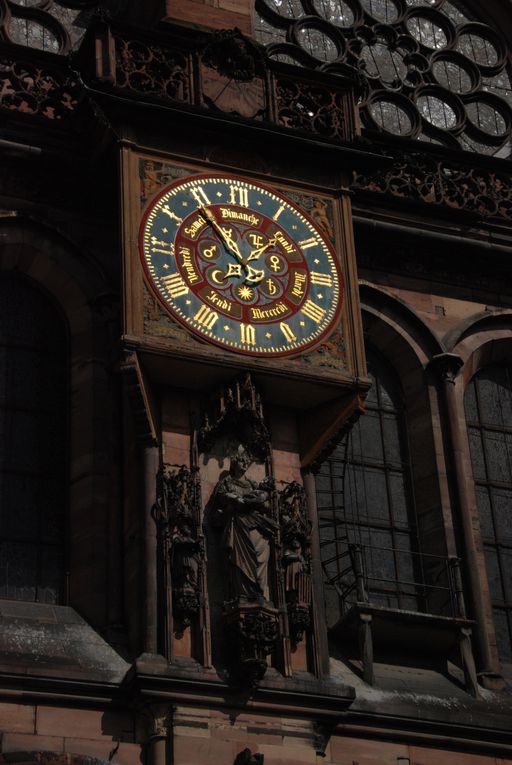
{"points": [[226, 327], [268, 334]]}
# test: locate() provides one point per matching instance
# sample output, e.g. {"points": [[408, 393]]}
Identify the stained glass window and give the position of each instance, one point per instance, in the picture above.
{"points": [[488, 403]]}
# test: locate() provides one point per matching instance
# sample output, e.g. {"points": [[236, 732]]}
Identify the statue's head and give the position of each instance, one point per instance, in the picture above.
{"points": [[240, 461]]}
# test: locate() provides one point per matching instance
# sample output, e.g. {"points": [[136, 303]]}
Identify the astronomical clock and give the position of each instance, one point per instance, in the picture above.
{"points": [[241, 266], [226, 273]]}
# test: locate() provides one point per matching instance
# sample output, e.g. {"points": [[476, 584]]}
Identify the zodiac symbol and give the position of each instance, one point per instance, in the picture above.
{"points": [[275, 263], [271, 287], [216, 278], [256, 240], [210, 252]]}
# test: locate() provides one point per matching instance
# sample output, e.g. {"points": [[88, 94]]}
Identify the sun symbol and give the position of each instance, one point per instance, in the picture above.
{"points": [[245, 293]]}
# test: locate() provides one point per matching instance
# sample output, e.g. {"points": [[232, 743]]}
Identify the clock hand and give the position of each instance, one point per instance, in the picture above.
{"points": [[254, 275], [254, 255], [228, 242]]}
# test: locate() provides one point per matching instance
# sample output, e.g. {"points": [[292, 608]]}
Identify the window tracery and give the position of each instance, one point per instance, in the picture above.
{"points": [[364, 501], [55, 26], [430, 70]]}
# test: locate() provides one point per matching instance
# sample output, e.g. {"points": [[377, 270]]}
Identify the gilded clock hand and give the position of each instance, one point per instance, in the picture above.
{"points": [[228, 242], [254, 255], [254, 275]]}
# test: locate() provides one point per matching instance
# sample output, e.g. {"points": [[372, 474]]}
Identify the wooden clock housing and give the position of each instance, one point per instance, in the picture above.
{"points": [[325, 383]]}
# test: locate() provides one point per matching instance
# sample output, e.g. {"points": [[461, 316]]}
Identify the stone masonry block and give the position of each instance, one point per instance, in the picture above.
{"points": [[17, 718]]}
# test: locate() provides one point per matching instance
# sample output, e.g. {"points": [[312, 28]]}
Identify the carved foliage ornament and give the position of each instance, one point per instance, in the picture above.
{"points": [[30, 88], [237, 410], [255, 630], [153, 70], [235, 78], [420, 177]]}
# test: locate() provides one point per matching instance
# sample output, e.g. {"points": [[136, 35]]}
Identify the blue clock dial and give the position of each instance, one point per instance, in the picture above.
{"points": [[241, 266]]}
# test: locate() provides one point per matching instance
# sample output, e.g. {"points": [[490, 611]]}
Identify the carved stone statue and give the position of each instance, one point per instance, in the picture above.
{"points": [[296, 561], [176, 513], [243, 507]]}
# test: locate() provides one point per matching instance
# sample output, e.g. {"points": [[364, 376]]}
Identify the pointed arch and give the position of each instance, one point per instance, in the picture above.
{"points": [[77, 286]]}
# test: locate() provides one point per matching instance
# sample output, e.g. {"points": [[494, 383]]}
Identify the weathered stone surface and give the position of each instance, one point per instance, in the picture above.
{"points": [[50, 640]]}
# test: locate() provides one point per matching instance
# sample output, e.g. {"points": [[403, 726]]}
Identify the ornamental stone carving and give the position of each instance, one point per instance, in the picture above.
{"points": [[176, 513], [243, 508], [296, 558]]}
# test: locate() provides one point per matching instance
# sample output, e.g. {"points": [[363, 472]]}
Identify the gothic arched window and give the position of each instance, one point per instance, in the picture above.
{"points": [[50, 25], [33, 430], [488, 405], [364, 500], [431, 70]]}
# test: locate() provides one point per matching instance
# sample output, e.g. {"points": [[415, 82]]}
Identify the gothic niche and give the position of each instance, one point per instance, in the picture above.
{"points": [[176, 513], [296, 559], [244, 526]]}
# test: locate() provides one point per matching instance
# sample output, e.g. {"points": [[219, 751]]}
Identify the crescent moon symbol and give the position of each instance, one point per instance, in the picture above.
{"points": [[217, 271]]}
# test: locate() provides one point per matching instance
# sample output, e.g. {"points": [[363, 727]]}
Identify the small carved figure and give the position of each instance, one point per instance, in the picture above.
{"points": [[175, 512], [319, 214], [185, 553], [243, 506], [296, 539]]}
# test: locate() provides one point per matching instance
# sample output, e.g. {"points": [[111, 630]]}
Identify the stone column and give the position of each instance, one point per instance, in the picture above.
{"points": [[150, 470], [445, 368], [319, 617], [159, 731]]}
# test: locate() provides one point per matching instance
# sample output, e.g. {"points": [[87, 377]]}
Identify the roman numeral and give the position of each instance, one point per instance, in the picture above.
{"points": [[206, 317], [306, 243], [313, 311], [174, 285], [278, 212], [323, 279], [247, 334], [287, 332], [200, 196], [239, 196], [158, 246], [172, 215]]}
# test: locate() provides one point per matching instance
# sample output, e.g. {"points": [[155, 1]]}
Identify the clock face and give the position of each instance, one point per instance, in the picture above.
{"points": [[241, 266]]}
